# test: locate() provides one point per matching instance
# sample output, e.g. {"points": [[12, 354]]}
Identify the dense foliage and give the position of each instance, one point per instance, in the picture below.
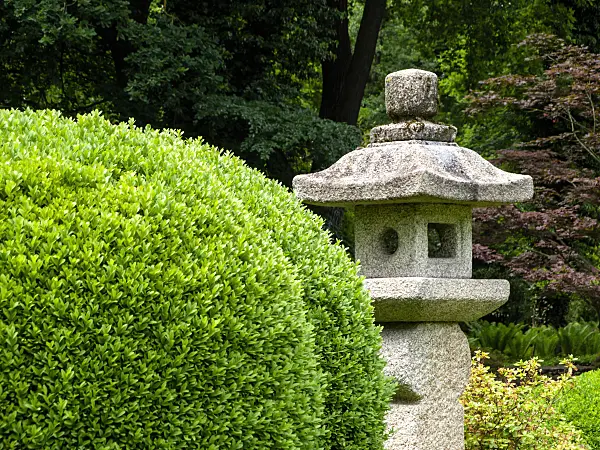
{"points": [[156, 293], [231, 72], [517, 411], [580, 406], [464, 43]]}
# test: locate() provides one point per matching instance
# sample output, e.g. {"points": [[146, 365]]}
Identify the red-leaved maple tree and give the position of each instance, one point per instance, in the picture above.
{"points": [[553, 241]]}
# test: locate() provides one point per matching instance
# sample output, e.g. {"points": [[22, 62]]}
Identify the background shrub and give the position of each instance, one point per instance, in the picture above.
{"points": [[156, 293], [581, 406], [517, 411]]}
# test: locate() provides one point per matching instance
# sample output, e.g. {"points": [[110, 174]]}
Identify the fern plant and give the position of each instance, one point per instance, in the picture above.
{"points": [[545, 344], [512, 341], [579, 339], [492, 335], [522, 345]]}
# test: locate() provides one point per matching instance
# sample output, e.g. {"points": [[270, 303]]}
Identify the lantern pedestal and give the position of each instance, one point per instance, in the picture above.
{"points": [[430, 361]]}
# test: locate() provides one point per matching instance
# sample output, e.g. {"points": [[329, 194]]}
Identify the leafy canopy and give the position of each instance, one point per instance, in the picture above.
{"points": [[231, 72]]}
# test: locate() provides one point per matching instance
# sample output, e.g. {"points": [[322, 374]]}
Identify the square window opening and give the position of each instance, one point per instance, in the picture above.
{"points": [[442, 240]]}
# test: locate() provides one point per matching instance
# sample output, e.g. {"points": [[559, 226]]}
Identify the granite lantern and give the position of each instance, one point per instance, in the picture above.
{"points": [[412, 189]]}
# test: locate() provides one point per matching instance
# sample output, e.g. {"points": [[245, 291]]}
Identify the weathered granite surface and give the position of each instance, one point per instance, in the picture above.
{"points": [[413, 190], [397, 241], [412, 171], [411, 93], [413, 130], [433, 360], [435, 299]]}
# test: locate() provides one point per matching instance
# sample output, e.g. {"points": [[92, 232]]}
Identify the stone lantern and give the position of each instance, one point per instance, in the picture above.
{"points": [[412, 189]]}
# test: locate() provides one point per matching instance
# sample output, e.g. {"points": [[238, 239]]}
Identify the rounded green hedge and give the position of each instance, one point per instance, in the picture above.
{"points": [[581, 406], [155, 293]]}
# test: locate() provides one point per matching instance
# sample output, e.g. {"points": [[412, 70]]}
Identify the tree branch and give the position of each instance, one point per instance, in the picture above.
{"points": [[589, 150]]}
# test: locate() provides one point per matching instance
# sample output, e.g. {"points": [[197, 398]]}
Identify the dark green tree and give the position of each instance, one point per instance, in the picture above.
{"points": [[474, 39], [230, 71], [586, 25]]}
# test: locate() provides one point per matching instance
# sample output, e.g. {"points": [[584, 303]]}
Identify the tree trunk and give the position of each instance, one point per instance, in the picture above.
{"points": [[121, 48], [345, 76]]}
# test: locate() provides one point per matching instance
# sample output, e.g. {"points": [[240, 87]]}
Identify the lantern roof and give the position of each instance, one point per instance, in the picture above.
{"points": [[412, 160]]}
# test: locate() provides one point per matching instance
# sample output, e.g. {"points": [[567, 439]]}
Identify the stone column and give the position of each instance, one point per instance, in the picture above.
{"points": [[430, 361]]}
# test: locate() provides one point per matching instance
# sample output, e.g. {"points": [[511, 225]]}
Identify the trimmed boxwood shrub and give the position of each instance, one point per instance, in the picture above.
{"points": [[155, 293], [581, 406]]}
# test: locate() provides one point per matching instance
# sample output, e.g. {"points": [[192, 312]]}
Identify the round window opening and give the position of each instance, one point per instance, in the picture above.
{"points": [[389, 241]]}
